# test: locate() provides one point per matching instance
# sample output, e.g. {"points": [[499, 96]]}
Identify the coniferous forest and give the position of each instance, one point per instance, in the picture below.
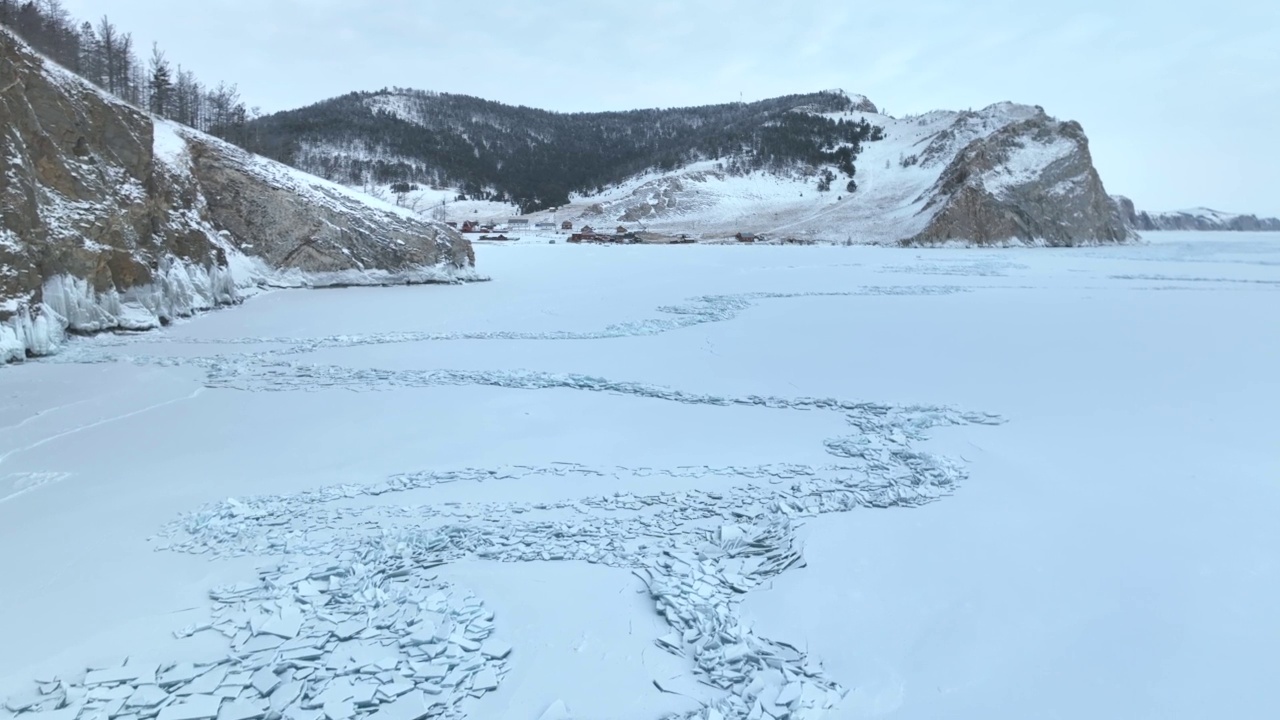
{"points": [[106, 56], [536, 158]]}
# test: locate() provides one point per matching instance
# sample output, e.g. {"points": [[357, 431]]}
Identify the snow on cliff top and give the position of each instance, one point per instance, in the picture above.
{"points": [[856, 99], [1203, 212], [399, 105]]}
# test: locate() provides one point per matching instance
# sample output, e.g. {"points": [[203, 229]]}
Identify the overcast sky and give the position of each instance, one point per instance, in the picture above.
{"points": [[1181, 100]]}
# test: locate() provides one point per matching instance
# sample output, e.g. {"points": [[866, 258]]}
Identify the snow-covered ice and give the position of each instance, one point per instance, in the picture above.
{"points": [[652, 481]]}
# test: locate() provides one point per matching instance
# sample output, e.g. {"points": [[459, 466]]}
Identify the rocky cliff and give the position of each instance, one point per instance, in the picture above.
{"points": [[1030, 181], [1194, 219], [112, 219]]}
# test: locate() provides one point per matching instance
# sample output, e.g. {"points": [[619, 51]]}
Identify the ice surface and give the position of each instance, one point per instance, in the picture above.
{"points": [[196, 707], [146, 697], [126, 673], [413, 706], [242, 710], [478, 516]]}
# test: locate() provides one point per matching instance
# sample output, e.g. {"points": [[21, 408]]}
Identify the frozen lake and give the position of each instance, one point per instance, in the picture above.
{"points": [[858, 482]]}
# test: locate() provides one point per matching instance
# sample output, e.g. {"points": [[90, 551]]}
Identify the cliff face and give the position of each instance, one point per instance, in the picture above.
{"points": [[110, 218], [1031, 181], [1203, 219]]}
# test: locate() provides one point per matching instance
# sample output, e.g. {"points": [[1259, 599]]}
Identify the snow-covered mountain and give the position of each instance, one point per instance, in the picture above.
{"points": [[781, 167], [536, 159], [1194, 219], [111, 218], [1006, 173]]}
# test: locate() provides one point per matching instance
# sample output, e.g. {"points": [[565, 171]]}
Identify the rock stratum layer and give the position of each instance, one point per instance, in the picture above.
{"points": [[113, 219]]}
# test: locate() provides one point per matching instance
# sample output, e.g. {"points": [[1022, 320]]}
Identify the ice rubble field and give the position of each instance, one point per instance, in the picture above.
{"points": [[650, 481]]}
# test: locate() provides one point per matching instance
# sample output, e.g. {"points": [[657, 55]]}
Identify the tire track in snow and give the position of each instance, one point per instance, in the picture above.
{"points": [[97, 423], [22, 483]]}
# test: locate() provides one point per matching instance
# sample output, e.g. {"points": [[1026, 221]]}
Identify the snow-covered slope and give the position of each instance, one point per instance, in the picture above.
{"points": [[113, 219], [1007, 173], [826, 166], [344, 160], [1200, 218]]}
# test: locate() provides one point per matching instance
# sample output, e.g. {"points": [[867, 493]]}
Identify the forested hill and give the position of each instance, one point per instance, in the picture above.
{"points": [[536, 158]]}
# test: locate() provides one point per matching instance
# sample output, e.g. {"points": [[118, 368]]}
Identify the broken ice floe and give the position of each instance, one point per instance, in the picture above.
{"points": [[697, 550], [360, 636], [695, 590], [363, 630]]}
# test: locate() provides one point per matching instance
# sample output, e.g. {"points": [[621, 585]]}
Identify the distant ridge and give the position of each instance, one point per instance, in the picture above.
{"points": [[537, 159], [1203, 219]]}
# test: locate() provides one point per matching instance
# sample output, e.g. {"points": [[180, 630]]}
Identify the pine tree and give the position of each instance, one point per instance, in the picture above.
{"points": [[161, 84], [131, 80], [109, 54], [90, 54]]}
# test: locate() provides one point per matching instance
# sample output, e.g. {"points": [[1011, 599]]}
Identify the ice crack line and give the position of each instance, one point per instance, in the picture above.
{"points": [[698, 550], [1183, 278], [696, 311], [353, 623]]}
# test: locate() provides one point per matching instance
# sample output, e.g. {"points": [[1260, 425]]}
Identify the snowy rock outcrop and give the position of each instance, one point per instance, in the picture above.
{"points": [[1031, 181], [113, 219], [1194, 219]]}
